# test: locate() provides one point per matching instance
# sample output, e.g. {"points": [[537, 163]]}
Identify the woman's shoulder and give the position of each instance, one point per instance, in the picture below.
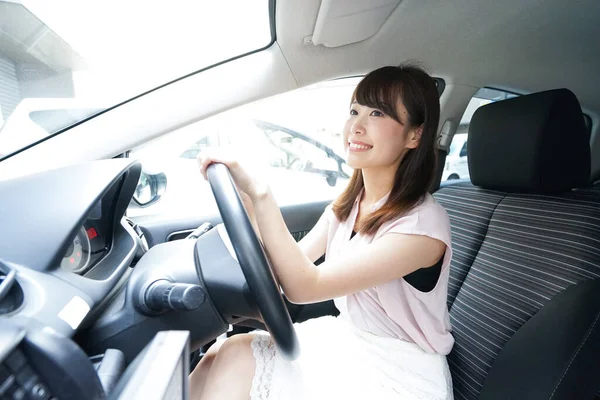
{"points": [[328, 214], [428, 217], [429, 207]]}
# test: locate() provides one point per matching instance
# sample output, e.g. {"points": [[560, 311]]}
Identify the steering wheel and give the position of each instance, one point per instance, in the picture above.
{"points": [[254, 262]]}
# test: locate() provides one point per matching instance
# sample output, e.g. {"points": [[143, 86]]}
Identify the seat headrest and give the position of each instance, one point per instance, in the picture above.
{"points": [[536, 143]]}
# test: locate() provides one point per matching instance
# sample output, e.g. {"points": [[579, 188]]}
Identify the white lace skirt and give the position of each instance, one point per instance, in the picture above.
{"points": [[338, 361]]}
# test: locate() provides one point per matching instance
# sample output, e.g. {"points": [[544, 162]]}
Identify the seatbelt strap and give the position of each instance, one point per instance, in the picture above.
{"points": [[439, 169]]}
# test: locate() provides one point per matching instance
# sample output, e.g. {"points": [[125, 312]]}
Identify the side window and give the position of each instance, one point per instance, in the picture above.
{"points": [[457, 166], [195, 149], [292, 140], [463, 151]]}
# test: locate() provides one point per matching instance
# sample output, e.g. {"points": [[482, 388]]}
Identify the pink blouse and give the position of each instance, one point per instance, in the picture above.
{"points": [[396, 309]]}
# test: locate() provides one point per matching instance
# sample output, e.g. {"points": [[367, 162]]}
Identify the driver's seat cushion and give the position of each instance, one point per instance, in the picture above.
{"points": [[516, 248]]}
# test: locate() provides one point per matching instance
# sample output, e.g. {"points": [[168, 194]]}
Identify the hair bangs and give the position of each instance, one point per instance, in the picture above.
{"points": [[381, 90]]}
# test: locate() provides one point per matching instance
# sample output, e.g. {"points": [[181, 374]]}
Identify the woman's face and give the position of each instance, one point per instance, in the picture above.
{"points": [[375, 140]]}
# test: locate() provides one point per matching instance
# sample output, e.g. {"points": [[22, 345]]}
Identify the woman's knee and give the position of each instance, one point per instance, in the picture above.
{"points": [[230, 374], [235, 347], [213, 350]]}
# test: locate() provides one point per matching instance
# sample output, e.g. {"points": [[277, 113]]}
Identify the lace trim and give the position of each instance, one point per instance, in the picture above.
{"points": [[263, 350]]}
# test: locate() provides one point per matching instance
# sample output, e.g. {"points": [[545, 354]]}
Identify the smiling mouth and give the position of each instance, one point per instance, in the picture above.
{"points": [[356, 146]]}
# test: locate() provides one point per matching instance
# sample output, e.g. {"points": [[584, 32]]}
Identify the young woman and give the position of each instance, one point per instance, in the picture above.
{"points": [[387, 247]]}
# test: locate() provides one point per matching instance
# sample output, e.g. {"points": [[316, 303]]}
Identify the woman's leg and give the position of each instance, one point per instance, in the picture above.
{"points": [[227, 373], [198, 376]]}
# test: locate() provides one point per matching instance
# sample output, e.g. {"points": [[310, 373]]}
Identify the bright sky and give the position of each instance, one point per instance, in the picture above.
{"points": [[134, 45]]}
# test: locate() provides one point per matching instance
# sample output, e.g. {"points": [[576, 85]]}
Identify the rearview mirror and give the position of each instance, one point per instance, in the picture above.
{"points": [[331, 178]]}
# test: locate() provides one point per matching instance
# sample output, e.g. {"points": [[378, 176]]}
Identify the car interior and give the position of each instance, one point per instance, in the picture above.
{"points": [[99, 303]]}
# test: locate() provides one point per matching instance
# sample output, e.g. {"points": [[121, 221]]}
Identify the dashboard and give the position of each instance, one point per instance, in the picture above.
{"points": [[64, 253], [72, 245], [83, 299]]}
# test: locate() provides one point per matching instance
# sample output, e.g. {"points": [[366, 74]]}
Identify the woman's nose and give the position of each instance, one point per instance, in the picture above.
{"points": [[357, 127]]}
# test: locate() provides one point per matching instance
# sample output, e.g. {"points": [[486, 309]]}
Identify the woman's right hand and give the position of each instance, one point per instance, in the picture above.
{"points": [[249, 187]]}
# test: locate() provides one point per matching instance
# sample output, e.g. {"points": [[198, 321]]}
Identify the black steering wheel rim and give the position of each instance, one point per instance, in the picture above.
{"points": [[253, 261]]}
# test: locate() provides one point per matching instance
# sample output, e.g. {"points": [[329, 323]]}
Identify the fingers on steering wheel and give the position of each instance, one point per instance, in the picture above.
{"points": [[204, 162]]}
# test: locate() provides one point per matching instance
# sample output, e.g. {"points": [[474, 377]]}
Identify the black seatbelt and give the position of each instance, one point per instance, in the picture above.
{"points": [[439, 169]]}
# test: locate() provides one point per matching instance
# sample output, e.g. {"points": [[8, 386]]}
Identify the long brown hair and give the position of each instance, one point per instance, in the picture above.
{"points": [[381, 89]]}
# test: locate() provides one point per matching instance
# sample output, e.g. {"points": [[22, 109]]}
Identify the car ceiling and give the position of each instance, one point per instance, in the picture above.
{"points": [[523, 45]]}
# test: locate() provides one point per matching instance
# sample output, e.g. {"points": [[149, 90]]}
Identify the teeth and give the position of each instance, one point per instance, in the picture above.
{"points": [[359, 146]]}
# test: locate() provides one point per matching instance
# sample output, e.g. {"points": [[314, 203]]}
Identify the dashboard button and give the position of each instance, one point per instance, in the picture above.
{"points": [[16, 360], [25, 375], [4, 374], [7, 384], [14, 392], [39, 392]]}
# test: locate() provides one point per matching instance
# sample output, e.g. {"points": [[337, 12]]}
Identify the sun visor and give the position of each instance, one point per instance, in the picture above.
{"points": [[341, 22]]}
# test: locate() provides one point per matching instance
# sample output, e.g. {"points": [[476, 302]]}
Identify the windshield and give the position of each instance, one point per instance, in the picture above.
{"points": [[62, 61]]}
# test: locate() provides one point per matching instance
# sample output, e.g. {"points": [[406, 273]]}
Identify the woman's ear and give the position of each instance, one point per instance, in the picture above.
{"points": [[414, 137]]}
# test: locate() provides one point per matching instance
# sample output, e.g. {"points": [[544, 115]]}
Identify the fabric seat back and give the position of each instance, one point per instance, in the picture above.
{"points": [[521, 236]]}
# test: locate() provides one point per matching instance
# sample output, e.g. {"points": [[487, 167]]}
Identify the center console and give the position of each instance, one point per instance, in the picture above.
{"points": [[43, 365]]}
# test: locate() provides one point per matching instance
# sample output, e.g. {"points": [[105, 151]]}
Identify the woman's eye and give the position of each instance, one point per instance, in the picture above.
{"points": [[377, 114], [353, 112]]}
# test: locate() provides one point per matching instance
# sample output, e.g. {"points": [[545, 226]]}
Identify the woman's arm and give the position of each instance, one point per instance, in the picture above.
{"points": [[388, 258], [314, 244]]}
